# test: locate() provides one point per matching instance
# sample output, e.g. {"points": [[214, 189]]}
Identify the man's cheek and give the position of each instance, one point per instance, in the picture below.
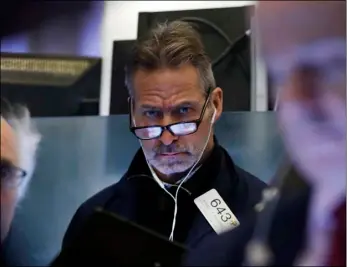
{"points": [[148, 145]]}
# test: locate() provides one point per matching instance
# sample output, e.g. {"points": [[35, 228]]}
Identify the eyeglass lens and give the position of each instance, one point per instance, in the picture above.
{"points": [[182, 128], [10, 175]]}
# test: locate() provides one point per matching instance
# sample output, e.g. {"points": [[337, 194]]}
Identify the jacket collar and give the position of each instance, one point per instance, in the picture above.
{"points": [[218, 172], [226, 183], [207, 170]]}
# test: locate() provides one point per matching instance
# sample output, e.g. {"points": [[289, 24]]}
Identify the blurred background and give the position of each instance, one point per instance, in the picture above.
{"points": [[79, 50], [65, 61]]}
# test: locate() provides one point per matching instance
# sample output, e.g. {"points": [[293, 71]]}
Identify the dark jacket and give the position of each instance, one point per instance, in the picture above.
{"points": [[139, 198], [286, 239]]}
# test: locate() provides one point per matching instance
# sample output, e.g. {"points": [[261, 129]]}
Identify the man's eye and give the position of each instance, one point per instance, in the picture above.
{"points": [[152, 113], [183, 110]]}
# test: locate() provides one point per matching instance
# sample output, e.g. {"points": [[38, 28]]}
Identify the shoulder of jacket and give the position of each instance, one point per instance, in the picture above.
{"points": [[250, 178], [241, 173], [103, 196]]}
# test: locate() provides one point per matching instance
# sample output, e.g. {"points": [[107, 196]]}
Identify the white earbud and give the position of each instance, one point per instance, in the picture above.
{"points": [[213, 116]]}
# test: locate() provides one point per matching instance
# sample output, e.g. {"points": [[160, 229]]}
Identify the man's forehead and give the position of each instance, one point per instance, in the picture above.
{"points": [[168, 87], [8, 142], [285, 24], [174, 102]]}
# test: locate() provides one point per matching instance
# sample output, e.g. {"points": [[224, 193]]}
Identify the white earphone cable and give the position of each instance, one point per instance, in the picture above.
{"points": [[185, 178], [161, 184]]}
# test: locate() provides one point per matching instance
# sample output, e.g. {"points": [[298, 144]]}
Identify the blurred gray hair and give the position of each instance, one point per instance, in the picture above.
{"points": [[28, 139]]}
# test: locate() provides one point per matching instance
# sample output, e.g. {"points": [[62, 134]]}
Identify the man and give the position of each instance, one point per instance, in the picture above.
{"points": [[304, 45], [19, 141], [174, 103]]}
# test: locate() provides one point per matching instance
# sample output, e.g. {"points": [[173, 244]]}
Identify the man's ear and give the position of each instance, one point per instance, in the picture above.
{"points": [[217, 101], [130, 104]]}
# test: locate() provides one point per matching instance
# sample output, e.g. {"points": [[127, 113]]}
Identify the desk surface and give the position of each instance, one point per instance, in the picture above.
{"points": [[79, 156]]}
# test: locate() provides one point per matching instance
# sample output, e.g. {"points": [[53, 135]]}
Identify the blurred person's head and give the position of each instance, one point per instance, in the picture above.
{"points": [[304, 45], [19, 141], [170, 80]]}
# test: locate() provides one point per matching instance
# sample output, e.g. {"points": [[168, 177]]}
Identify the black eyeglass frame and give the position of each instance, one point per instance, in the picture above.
{"points": [[168, 127], [18, 174]]}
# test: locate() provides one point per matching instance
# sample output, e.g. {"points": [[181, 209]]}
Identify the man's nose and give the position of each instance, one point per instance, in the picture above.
{"points": [[167, 138]]}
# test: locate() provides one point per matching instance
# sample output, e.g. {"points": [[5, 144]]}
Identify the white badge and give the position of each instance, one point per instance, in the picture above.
{"points": [[216, 211]]}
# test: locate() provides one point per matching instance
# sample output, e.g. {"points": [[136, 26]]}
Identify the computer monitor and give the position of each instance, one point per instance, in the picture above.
{"points": [[51, 85], [223, 33], [119, 94]]}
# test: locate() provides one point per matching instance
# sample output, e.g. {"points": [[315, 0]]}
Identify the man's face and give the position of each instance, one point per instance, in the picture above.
{"points": [[304, 46], [8, 195], [169, 96]]}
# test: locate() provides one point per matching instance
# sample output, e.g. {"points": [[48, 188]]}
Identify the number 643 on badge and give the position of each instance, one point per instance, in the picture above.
{"points": [[216, 211]]}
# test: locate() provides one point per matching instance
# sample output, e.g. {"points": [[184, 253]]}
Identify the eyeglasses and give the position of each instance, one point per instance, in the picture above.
{"points": [[11, 176], [176, 129]]}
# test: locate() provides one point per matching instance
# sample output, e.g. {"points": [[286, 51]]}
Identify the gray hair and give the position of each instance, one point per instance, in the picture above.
{"points": [[28, 139], [171, 45]]}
